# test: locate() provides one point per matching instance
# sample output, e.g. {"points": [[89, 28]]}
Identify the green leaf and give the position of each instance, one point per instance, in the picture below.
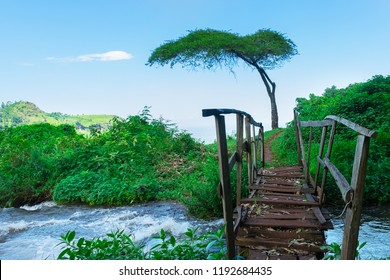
{"points": [[71, 235], [172, 241], [361, 245], [80, 242]]}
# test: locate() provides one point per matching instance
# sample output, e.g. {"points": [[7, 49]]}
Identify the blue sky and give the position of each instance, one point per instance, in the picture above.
{"points": [[88, 57]]}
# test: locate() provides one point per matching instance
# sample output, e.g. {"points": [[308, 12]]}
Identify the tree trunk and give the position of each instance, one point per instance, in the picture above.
{"points": [[274, 109], [270, 86]]}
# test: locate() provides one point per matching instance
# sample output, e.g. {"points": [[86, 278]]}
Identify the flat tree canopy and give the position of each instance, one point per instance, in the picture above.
{"points": [[209, 49]]}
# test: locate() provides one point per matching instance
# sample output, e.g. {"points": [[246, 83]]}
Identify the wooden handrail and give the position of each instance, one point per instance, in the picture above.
{"points": [[360, 129], [352, 193], [217, 112], [226, 164]]}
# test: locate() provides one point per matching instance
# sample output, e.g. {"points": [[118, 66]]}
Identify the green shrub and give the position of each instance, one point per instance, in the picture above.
{"points": [[367, 104], [120, 246], [28, 154], [333, 251]]}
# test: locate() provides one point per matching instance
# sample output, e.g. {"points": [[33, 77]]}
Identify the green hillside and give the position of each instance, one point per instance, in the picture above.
{"points": [[21, 113]]}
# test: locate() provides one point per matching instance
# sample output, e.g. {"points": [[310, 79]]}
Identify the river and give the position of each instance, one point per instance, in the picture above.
{"points": [[374, 229], [32, 232]]}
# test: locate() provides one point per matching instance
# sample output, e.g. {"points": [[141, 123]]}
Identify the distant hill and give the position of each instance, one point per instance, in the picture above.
{"points": [[23, 112]]}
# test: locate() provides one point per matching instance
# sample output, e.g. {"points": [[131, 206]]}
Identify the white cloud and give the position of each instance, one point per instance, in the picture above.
{"points": [[107, 56]]}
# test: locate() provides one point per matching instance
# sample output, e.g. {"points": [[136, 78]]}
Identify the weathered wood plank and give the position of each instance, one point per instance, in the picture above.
{"points": [[225, 181], [274, 195], [316, 123], [284, 175], [287, 223], [302, 149], [262, 148], [264, 255], [217, 112], [309, 234], [352, 220], [311, 247], [292, 216], [239, 151], [279, 201], [276, 189], [238, 219], [249, 150], [329, 152], [297, 132], [360, 129], [232, 161], [320, 153], [279, 182], [320, 217], [285, 168], [342, 183]]}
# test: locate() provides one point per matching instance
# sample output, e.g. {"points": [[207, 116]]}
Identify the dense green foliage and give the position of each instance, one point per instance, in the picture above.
{"points": [[120, 246], [142, 159], [210, 49], [138, 159], [30, 161], [367, 104], [21, 113]]}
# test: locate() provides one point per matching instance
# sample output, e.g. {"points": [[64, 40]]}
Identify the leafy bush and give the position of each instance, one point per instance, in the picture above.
{"points": [[334, 251], [141, 159], [138, 159], [28, 154], [120, 246]]}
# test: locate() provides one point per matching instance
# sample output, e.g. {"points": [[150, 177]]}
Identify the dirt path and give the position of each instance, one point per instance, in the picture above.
{"points": [[268, 156]]}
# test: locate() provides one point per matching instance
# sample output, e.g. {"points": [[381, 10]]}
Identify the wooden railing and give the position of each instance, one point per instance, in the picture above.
{"points": [[252, 146], [352, 193]]}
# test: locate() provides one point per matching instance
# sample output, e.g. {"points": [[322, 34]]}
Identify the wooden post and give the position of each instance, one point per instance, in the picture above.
{"points": [[320, 153], [225, 181], [302, 149], [254, 169], [262, 147], [296, 122], [249, 150], [309, 154], [352, 221], [239, 148], [329, 152]]}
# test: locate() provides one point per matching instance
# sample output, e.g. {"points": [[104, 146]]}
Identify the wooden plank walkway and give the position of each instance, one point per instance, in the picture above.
{"points": [[281, 218]]}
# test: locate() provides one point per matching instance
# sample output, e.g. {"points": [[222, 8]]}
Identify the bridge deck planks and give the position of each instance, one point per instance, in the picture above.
{"points": [[281, 219]]}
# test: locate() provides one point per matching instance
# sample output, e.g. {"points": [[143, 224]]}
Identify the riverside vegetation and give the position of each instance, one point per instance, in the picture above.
{"points": [[141, 159], [136, 160], [120, 246], [367, 104]]}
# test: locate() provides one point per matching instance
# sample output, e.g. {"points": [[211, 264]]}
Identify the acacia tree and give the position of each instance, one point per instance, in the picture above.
{"points": [[209, 49]]}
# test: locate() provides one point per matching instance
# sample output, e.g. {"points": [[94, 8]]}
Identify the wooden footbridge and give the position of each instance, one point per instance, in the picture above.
{"points": [[282, 216]]}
